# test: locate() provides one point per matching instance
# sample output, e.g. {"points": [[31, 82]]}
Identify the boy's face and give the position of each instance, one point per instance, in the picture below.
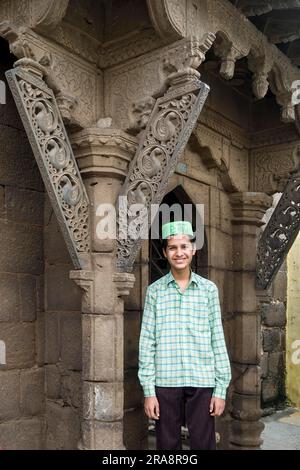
{"points": [[179, 252]]}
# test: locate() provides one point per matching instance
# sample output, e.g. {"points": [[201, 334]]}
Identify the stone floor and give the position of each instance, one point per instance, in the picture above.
{"points": [[282, 431]]}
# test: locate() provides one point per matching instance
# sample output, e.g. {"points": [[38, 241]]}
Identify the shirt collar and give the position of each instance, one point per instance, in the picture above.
{"points": [[193, 278]]}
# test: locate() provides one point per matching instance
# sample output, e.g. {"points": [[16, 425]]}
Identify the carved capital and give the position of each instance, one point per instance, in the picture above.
{"points": [[249, 208], [103, 151]]}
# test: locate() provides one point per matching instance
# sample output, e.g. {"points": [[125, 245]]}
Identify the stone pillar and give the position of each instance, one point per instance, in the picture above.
{"points": [[248, 210], [103, 156]]}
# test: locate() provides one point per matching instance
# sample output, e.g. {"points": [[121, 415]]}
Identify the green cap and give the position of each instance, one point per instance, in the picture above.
{"points": [[177, 228]]}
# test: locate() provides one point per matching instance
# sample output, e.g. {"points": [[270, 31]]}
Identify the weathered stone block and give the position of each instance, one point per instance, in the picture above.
{"points": [[52, 342], [71, 389], [20, 344], [133, 301], [273, 314], [24, 434], [246, 407], [269, 390], [40, 338], [242, 252], [245, 292], [246, 379], [32, 391], [24, 205], [282, 340], [132, 325], [9, 395], [97, 435], [102, 354], [61, 292], [103, 401], [264, 365], [40, 286], [105, 300], [28, 298], [276, 364], [9, 294], [271, 339], [135, 429], [246, 343], [246, 433], [71, 340], [220, 258], [55, 247], [53, 382], [2, 202], [21, 248], [18, 165], [220, 213], [63, 427]]}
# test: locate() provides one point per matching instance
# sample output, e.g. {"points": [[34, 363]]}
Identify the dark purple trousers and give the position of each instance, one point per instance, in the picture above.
{"points": [[184, 406]]}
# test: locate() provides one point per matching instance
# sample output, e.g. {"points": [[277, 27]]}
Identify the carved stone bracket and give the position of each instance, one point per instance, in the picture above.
{"points": [[50, 144], [279, 233], [85, 280], [167, 132], [238, 37], [123, 282], [228, 54]]}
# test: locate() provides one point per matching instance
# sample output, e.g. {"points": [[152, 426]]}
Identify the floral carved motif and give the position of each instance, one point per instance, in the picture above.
{"points": [[42, 121]]}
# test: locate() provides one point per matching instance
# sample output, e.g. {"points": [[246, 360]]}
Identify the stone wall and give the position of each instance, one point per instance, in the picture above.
{"points": [[40, 309], [22, 403], [273, 317], [135, 421], [62, 341]]}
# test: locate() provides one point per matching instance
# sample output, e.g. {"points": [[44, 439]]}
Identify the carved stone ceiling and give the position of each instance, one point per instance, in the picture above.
{"points": [[279, 20]]}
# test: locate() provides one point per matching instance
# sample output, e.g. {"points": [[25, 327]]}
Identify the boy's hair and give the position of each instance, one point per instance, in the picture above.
{"points": [[164, 242]]}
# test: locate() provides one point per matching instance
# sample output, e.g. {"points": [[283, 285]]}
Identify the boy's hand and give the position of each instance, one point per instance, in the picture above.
{"points": [[151, 407], [216, 406]]}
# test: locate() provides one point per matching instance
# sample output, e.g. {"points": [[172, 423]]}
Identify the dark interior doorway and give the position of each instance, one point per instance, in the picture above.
{"points": [[158, 264]]}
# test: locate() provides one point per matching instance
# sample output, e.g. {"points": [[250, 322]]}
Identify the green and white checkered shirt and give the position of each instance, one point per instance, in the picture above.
{"points": [[182, 340]]}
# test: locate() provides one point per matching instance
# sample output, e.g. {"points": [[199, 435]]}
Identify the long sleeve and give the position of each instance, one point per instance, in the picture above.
{"points": [[147, 345], [222, 364]]}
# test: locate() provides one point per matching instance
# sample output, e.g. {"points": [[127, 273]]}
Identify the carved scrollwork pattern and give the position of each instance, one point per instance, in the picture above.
{"points": [[279, 233], [168, 130], [47, 135]]}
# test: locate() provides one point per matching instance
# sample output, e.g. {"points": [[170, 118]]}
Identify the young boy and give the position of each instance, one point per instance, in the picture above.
{"points": [[182, 351]]}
